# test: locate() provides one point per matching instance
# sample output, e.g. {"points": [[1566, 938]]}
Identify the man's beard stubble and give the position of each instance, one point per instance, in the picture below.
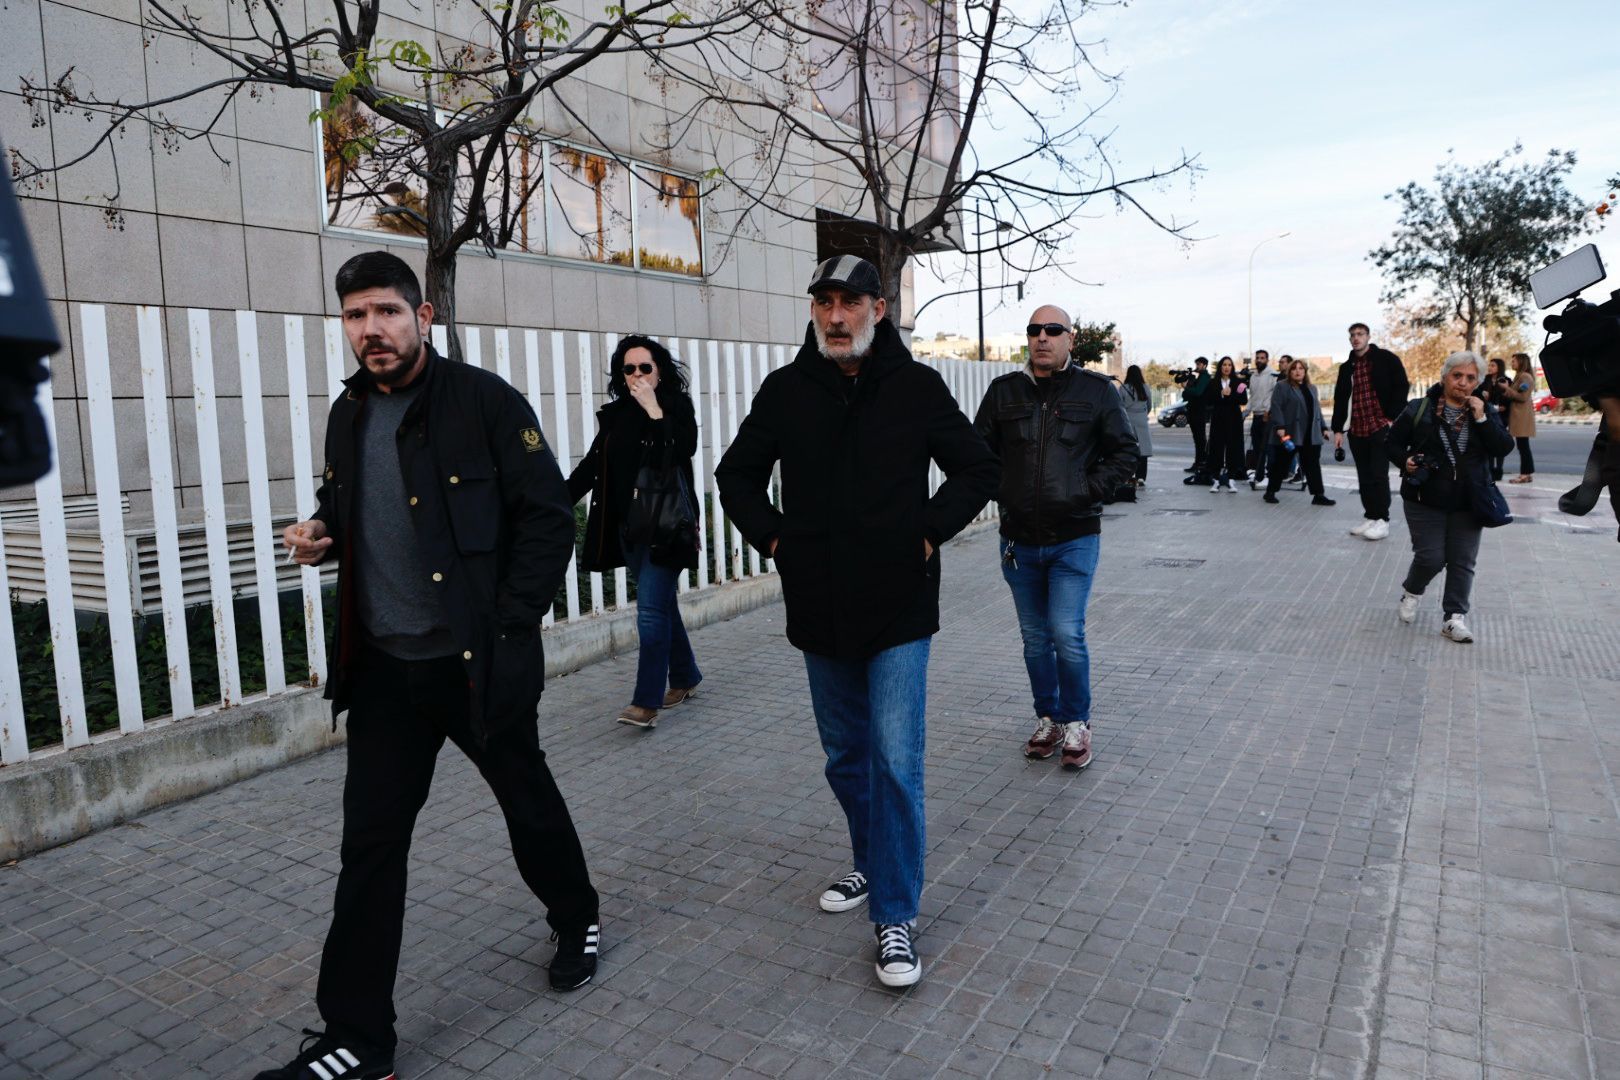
{"points": [[860, 342]]}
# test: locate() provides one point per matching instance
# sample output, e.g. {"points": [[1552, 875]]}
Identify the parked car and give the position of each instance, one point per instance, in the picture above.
{"points": [[1545, 402], [1174, 415]]}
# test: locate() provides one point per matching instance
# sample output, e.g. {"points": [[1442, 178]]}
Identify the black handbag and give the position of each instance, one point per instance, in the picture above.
{"points": [[662, 515]]}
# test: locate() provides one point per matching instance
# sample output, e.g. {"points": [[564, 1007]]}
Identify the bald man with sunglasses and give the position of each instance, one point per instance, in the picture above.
{"points": [[1065, 442]]}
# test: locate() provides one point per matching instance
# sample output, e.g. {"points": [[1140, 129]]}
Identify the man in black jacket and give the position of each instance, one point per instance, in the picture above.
{"points": [[1065, 442], [1371, 392], [855, 422], [1198, 416], [452, 529]]}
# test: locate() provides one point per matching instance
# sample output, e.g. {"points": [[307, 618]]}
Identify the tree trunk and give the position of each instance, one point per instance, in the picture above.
{"points": [[440, 283], [892, 256]]}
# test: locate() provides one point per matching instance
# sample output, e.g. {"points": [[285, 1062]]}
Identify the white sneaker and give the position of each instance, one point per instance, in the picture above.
{"points": [[1216, 486], [1377, 530], [1366, 523], [1455, 629], [1409, 606], [1231, 487]]}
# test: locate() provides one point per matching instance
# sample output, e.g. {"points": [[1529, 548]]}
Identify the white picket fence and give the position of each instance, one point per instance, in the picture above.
{"points": [[723, 377]]}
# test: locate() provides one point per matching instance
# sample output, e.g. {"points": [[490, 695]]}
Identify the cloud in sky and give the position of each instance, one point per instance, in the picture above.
{"points": [[1304, 117]]}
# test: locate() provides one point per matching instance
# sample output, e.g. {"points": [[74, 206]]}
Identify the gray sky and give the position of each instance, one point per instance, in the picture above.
{"points": [[1305, 115]]}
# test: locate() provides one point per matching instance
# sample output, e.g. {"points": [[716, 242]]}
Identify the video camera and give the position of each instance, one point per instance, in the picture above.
{"points": [[1585, 358], [1182, 376]]}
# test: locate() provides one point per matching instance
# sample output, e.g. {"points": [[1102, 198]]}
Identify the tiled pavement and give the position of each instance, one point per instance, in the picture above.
{"points": [[1315, 842]]}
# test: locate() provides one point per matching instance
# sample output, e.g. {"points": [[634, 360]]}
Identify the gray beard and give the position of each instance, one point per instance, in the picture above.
{"points": [[860, 344]]}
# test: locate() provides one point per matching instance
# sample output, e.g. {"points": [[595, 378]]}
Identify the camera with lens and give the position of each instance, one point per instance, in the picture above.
{"points": [[1422, 467], [1584, 360], [1182, 376]]}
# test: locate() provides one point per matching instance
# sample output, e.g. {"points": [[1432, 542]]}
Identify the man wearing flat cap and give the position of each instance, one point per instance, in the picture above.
{"points": [[855, 422]]}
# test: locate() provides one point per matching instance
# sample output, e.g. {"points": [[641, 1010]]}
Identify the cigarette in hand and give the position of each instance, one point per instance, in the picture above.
{"points": [[290, 553]]}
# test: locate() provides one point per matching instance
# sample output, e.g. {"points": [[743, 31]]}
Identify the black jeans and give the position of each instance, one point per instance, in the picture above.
{"points": [[1310, 461], [1226, 447], [1199, 422], [401, 714], [1372, 472], [1141, 466], [1527, 461], [1260, 441]]}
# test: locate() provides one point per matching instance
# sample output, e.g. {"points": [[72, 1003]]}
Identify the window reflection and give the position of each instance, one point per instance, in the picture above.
{"points": [[373, 178], [590, 207], [669, 226]]}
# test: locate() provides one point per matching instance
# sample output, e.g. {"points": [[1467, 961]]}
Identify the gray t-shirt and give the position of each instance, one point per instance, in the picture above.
{"points": [[399, 611]]}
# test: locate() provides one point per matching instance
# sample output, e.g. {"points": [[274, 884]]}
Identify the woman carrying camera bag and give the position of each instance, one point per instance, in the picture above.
{"points": [[648, 428], [1443, 444]]}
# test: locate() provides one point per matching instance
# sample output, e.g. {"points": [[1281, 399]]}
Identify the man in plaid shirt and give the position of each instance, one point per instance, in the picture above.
{"points": [[1372, 391]]}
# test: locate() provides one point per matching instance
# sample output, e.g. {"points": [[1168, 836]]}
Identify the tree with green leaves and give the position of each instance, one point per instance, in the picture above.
{"points": [[1093, 342], [432, 138], [1468, 245]]}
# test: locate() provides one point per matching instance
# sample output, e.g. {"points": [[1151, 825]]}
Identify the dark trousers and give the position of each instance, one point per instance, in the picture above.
{"points": [[401, 714], [1527, 461], [1442, 540], [1141, 466], [1260, 441], [1310, 460], [1372, 472], [1199, 422], [1226, 446]]}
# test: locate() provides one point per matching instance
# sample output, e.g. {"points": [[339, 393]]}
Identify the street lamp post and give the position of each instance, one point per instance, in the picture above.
{"points": [[1257, 247], [978, 262]]}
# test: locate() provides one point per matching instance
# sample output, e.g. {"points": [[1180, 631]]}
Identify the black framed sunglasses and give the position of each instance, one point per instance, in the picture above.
{"points": [[1051, 329], [631, 369]]}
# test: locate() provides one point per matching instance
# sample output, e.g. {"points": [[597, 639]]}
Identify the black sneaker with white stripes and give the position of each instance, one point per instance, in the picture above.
{"points": [[847, 892], [321, 1057], [897, 963], [575, 961]]}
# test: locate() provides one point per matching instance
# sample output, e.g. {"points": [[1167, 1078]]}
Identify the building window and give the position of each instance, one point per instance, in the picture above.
{"points": [[590, 207], [540, 197], [669, 223], [373, 179]]}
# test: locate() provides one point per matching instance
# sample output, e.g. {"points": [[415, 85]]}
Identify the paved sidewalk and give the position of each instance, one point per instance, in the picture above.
{"points": [[1315, 842]]}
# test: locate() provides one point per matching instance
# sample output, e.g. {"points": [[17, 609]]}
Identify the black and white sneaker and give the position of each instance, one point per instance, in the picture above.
{"points": [[849, 891], [575, 962], [897, 963], [322, 1057]]}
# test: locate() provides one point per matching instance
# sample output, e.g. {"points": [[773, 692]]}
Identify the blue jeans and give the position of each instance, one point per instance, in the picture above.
{"points": [[665, 649], [1051, 587], [870, 715]]}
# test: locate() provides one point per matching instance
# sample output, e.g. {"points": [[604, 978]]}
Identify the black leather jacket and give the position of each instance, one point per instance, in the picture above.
{"points": [[1061, 451]]}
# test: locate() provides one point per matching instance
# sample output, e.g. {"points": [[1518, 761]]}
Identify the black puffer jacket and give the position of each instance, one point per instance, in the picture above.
{"points": [[1417, 431], [624, 433], [1061, 451], [855, 503]]}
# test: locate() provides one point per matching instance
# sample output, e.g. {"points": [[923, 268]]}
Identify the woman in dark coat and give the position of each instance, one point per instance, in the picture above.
{"points": [[649, 414], [1226, 397], [1296, 415]]}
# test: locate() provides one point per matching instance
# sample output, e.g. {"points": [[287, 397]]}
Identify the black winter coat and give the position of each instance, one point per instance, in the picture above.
{"points": [[493, 526], [855, 504], [1061, 452], [1446, 488], [1389, 383], [624, 433]]}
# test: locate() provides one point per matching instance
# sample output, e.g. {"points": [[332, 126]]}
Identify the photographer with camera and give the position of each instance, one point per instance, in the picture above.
{"points": [[1443, 444], [1194, 387], [1371, 392]]}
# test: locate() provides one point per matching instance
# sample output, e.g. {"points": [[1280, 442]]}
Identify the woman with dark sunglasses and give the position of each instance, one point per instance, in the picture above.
{"points": [[649, 413]]}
